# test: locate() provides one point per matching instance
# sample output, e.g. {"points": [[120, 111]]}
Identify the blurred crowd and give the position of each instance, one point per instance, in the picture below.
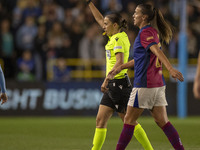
{"points": [[33, 32]]}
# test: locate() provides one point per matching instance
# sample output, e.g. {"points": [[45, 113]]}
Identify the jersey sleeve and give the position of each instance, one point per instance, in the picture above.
{"points": [[148, 39], [118, 46]]}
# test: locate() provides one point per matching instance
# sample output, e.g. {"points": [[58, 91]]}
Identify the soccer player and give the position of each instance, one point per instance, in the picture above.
{"points": [[149, 85], [116, 96], [196, 86], [3, 96]]}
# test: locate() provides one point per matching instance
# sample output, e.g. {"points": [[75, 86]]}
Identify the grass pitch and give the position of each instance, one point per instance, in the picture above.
{"points": [[76, 133]]}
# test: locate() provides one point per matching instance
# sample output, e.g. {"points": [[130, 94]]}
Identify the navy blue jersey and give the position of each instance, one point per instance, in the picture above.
{"points": [[148, 68]]}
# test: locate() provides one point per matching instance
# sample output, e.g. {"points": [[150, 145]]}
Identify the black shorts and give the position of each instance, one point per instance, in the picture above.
{"points": [[118, 95]]}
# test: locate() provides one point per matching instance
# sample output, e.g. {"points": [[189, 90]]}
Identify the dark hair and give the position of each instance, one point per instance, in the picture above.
{"points": [[115, 17], [155, 14]]}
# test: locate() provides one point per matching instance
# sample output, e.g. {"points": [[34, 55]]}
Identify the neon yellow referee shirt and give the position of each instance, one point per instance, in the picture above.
{"points": [[117, 43]]}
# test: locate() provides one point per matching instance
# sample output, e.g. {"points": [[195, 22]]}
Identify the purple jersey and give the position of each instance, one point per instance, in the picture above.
{"points": [[148, 68]]}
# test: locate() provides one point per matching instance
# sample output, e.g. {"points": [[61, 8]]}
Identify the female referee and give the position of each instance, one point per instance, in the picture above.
{"points": [[116, 96], [149, 85]]}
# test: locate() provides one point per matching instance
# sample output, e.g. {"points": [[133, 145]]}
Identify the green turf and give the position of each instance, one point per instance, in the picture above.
{"points": [[76, 133]]}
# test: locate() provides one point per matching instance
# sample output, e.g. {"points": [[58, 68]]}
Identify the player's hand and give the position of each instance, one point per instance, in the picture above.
{"points": [[176, 74], [196, 88], [3, 98], [104, 88], [114, 72]]}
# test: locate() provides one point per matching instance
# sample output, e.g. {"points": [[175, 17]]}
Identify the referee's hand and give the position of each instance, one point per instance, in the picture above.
{"points": [[104, 88], [3, 98]]}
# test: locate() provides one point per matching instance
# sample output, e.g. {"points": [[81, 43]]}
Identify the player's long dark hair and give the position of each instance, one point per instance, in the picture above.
{"points": [[115, 17], [155, 14]]}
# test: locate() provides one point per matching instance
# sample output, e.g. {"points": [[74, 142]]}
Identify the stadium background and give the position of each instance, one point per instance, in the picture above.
{"points": [[52, 54]]}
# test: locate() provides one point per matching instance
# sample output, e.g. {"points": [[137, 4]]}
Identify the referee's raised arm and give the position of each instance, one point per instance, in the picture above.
{"points": [[97, 15]]}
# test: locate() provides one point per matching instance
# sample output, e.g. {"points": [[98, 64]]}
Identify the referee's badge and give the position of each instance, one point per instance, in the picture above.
{"points": [[108, 53]]}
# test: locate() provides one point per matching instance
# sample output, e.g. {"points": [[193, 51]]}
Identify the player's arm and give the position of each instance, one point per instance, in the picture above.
{"points": [[97, 15], [127, 65], [161, 56], [3, 96], [118, 69], [196, 86]]}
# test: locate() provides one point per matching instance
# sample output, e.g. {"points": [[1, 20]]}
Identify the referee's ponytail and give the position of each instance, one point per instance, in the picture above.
{"points": [[124, 24], [115, 17], [155, 16]]}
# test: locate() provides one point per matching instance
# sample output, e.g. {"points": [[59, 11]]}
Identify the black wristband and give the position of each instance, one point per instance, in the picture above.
{"points": [[88, 1]]}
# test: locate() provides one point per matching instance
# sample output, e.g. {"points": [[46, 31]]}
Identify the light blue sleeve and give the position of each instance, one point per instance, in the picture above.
{"points": [[2, 81]]}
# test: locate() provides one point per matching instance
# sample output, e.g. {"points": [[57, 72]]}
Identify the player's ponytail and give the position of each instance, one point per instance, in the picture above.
{"points": [[157, 20], [164, 28]]}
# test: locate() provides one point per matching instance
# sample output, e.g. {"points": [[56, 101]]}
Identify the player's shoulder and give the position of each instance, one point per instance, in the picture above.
{"points": [[149, 30], [149, 33]]}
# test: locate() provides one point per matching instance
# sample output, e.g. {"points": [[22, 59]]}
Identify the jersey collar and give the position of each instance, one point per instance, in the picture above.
{"points": [[145, 27]]}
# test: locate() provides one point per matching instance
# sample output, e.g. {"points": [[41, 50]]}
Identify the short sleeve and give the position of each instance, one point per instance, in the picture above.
{"points": [[148, 38], [118, 46]]}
